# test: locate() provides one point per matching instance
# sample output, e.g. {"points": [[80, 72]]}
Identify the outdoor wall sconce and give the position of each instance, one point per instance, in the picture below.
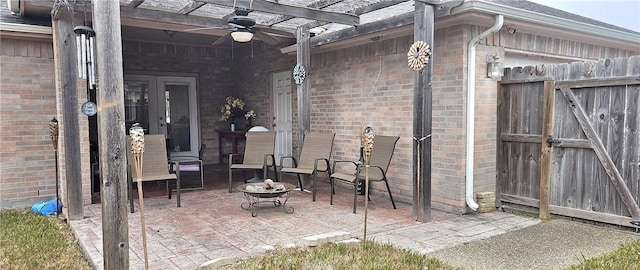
{"points": [[494, 67], [85, 40], [242, 35]]}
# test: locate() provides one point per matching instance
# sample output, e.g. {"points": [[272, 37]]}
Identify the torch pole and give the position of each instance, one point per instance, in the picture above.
{"points": [[368, 136], [54, 133], [141, 199], [137, 148]]}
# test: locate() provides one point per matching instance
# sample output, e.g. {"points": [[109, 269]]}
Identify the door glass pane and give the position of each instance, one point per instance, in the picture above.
{"points": [[136, 104], [178, 124]]}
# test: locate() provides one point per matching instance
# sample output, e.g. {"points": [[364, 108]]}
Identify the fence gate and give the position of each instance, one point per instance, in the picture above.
{"points": [[569, 140]]}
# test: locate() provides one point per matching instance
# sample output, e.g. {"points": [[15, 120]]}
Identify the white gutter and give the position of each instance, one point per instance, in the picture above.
{"points": [[26, 28], [471, 104], [547, 20]]}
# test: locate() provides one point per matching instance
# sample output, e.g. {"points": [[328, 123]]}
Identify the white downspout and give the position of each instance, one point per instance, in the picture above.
{"points": [[471, 104]]}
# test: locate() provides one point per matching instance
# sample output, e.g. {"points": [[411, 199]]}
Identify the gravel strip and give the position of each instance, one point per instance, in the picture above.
{"points": [[555, 244]]}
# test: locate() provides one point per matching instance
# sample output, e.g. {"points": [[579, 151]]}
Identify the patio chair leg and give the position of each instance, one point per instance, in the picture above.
{"points": [[275, 172], [230, 179], [132, 209], [201, 176], [314, 187], [390, 196], [300, 182], [331, 198], [178, 190], [355, 195], [130, 187]]}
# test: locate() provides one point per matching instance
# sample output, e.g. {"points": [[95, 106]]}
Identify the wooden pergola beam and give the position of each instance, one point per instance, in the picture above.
{"points": [[318, 5], [361, 10], [156, 16], [296, 11], [135, 3], [391, 23], [191, 7], [440, 10]]}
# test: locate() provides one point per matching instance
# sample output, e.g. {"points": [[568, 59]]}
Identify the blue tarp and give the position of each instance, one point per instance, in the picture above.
{"points": [[47, 208]]}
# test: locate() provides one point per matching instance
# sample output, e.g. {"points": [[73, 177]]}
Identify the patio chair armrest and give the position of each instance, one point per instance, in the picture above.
{"points": [[269, 157], [183, 157], [184, 160], [234, 155], [315, 164], [335, 162], [174, 165], [295, 163], [362, 166]]}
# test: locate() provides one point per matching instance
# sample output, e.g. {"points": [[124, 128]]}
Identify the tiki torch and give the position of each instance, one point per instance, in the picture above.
{"points": [[53, 132], [367, 145], [137, 149]]}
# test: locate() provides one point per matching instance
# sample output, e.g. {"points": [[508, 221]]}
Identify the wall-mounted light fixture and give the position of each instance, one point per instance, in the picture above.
{"points": [[242, 35], [494, 67]]}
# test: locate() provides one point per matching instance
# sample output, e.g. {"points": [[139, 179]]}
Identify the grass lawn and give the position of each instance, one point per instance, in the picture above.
{"points": [[625, 257], [367, 255], [31, 241]]}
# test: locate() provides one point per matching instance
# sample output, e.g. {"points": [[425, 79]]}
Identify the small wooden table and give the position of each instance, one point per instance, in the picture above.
{"points": [[257, 193], [233, 137]]}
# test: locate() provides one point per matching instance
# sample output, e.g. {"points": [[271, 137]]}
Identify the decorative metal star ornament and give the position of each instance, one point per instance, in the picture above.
{"points": [[299, 73]]}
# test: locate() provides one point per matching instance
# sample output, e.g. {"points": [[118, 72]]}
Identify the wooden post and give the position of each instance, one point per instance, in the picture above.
{"points": [[65, 47], [423, 30], [546, 157], [303, 57], [111, 134], [304, 100]]}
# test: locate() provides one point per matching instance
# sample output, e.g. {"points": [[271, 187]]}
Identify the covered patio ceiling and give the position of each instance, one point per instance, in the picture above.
{"points": [[277, 20]]}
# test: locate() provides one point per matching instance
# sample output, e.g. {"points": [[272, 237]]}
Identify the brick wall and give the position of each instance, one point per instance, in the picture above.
{"points": [[449, 101], [27, 103], [366, 84]]}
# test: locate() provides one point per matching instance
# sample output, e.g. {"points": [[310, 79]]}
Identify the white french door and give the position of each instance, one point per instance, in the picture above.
{"points": [[164, 105], [282, 120]]}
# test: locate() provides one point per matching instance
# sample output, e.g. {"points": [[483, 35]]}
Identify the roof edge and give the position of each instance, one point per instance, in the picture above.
{"points": [[543, 19], [26, 28]]}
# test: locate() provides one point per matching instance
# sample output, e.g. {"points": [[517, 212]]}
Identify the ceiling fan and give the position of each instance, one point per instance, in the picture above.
{"points": [[243, 28]]}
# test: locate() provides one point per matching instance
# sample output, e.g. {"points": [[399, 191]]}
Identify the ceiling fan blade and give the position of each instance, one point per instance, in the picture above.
{"points": [[237, 25], [266, 38], [205, 28], [222, 39]]}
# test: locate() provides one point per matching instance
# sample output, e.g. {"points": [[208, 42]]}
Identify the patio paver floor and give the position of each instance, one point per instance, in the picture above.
{"points": [[210, 224]]}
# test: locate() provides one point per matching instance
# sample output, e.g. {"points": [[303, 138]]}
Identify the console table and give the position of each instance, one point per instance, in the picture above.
{"points": [[231, 136]]}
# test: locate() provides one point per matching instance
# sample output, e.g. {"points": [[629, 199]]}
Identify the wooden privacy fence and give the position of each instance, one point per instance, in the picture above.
{"points": [[569, 139]]}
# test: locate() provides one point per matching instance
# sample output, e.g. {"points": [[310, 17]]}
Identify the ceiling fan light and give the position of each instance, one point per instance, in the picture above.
{"points": [[242, 35]]}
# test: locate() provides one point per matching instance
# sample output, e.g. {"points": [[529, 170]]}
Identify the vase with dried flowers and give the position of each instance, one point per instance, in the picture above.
{"points": [[232, 110]]}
